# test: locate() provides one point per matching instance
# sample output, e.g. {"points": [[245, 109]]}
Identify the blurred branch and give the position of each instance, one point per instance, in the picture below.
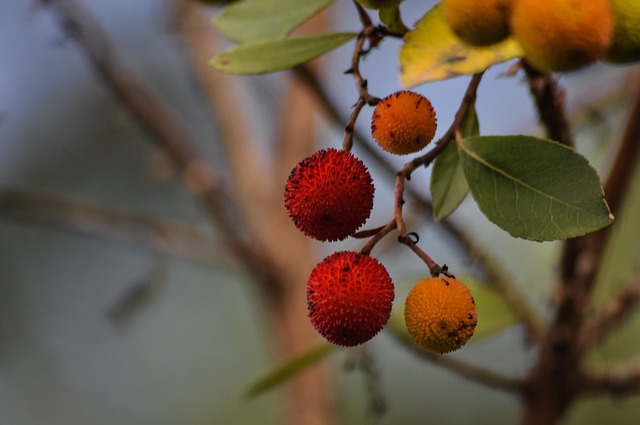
{"points": [[623, 382], [138, 295], [551, 384], [360, 359], [259, 179], [624, 163], [549, 99], [168, 130], [472, 372], [96, 219], [618, 308]]}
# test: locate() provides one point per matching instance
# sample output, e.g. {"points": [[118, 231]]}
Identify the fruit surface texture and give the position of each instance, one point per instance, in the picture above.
{"points": [[349, 298], [440, 314], [403, 122], [479, 22], [329, 195], [626, 32], [562, 35]]}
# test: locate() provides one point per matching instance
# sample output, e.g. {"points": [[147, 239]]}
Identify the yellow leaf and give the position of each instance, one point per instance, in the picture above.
{"points": [[432, 52]]}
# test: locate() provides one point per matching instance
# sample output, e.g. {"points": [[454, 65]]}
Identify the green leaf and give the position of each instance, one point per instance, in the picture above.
{"points": [[494, 314], [432, 52], [448, 184], [281, 374], [470, 126], [260, 20], [390, 16], [534, 188], [277, 55]]}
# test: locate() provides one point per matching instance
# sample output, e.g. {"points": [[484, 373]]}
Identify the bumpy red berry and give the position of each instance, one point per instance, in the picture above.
{"points": [[440, 314], [329, 195], [349, 298], [403, 122]]}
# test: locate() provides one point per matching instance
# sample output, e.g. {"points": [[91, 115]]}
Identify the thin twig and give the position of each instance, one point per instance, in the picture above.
{"points": [[434, 268], [370, 33], [384, 231]]}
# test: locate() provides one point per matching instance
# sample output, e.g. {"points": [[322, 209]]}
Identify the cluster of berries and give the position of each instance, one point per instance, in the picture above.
{"points": [[555, 35], [329, 196]]}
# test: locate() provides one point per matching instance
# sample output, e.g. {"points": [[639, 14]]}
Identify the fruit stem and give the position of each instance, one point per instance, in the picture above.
{"points": [[435, 269], [366, 250]]}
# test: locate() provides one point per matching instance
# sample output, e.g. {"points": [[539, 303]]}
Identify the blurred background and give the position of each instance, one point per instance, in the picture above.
{"points": [[121, 300]]}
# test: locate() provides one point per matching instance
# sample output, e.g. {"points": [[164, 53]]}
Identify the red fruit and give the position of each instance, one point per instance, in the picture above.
{"points": [[349, 298], [329, 195]]}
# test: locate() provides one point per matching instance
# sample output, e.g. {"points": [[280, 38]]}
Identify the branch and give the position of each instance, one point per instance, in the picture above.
{"points": [[549, 99], [96, 219], [617, 383], [618, 308], [626, 158], [259, 180], [472, 372], [372, 34], [434, 268], [168, 130]]}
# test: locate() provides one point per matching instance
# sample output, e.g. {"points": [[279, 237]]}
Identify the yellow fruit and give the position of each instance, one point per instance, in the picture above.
{"points": [[403, 122], [440, 314], [562, 35], [478, 22], [377, 4], [626, 32]]}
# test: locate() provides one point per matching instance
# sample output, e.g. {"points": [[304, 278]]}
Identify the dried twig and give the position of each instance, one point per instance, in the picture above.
{"points": [[364, 97]]}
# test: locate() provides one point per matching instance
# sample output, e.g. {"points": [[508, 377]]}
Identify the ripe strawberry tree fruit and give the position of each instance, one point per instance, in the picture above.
{"points": [[329, 195], [349, 298]]}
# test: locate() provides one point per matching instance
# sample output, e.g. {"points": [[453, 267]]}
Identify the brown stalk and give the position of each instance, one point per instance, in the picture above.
{"points": [[557, 377], [260, 197]]}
